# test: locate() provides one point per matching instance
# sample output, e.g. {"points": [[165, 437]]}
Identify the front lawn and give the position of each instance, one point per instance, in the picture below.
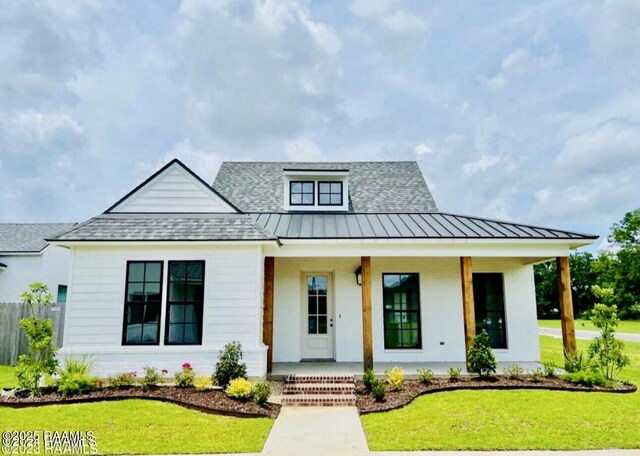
{"points": [[526, 420], [7, 377], [145, 427], [625, 326]]}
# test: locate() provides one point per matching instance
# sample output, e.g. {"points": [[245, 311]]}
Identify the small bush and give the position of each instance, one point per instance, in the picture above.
{"points": [[122, 380], [261, 392], [537, 375], [228, 366], [75, 378], [576, 362], [586, 378], [202, 383], [185, 377], [513, 372], [606, 352], [368, 379], [378, 390], [152, 377], [481, 358], [455, 374], [239, 388], [395, 377], [549, 369], [425, 376]]}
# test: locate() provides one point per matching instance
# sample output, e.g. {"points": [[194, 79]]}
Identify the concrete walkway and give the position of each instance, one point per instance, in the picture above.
{"points": [[317, 431], [580, 334]]}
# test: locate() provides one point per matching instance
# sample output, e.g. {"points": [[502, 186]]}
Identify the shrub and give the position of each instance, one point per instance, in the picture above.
{"points": [[261, 392], [228, 366], [378, 390], [425, 376], [481, 358], [31, 368], [455, 374], [122, 380], [586, 378], [185, 377], [202, 383], [576, 362], [513, 372], [549, 369], [395, 377], [152, 377], [368, 379], [239, 388], [537, 375], [606, 352], [75, 377]]}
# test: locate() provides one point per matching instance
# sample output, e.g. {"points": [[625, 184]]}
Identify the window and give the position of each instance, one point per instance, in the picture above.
{"points": [[301, 193], [184, 303], [317, 305], [62, 294], [142, 303], [330, 193], [401, 299], [488, 293]]}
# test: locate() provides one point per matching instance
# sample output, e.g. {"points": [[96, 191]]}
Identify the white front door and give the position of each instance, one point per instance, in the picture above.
{"points": [[317, 327]]}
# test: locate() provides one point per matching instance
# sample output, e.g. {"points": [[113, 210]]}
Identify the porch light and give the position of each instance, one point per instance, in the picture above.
{"points": [[359, 275], [2, 267]]}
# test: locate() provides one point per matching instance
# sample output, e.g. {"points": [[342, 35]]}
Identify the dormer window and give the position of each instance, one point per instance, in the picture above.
{"points": [[301, 193], [330, 193]]}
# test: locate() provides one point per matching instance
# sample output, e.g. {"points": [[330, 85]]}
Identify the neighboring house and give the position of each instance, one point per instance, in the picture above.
{"points": [[345, 262], [26, 257]]}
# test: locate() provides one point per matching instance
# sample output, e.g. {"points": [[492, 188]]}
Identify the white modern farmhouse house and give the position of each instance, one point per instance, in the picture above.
{"points": [[337, 262]]}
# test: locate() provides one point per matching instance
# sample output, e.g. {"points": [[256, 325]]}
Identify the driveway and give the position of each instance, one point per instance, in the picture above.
{"points": [[587, 334]]}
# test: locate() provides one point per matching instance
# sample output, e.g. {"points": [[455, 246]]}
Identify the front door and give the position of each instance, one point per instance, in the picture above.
{"points": [[317, 328]]}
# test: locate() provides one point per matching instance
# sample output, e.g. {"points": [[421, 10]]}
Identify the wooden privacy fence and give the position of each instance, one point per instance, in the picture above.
{"points": [[13, 342]]}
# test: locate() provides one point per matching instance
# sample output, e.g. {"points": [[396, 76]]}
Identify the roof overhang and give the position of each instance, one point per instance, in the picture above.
{"points": [[164, 243]]}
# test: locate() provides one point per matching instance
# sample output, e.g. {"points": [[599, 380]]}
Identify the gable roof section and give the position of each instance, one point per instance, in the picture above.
{"points": [[403, 226], [17, 238], [173, 188], [166, 227], [373, 186]]}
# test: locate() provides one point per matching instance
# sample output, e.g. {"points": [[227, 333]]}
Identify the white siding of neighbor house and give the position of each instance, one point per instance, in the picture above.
{"points": [[232, 308], [441, 308], [50, 267], [174, 190]]}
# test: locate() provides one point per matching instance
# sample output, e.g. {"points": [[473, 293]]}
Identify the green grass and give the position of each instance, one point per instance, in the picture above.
{"points": [[7, 378], [524, 419], [625, 326], [145, 427]]}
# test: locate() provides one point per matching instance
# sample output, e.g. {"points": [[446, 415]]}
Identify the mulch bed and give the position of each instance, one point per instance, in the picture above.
{"points": [[414, 388], [210, 401]]}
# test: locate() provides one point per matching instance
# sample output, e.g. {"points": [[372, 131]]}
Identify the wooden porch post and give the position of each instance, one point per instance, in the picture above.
{"points": [[566, 305], [466, 275], [367, 334], [267, 310]]}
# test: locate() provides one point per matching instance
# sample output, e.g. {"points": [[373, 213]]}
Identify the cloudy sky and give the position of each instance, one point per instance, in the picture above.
{"points": [[525, 111]]}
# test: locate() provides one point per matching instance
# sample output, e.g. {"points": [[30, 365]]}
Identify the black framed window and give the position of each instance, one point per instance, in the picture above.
{"points": [[62, 294], [488, 294], [143, 301], [330, 193], [185, 295], [301, 193], [401, 300]]}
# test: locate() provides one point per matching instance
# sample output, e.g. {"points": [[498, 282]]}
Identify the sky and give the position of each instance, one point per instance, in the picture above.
{"points": [[525, 111]]}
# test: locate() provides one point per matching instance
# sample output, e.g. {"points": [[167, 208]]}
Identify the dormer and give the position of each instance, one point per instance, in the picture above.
{"points": [[316, 190]]}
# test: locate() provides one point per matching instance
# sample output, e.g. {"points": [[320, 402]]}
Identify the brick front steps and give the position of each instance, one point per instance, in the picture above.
{"points": [[319, 390]]}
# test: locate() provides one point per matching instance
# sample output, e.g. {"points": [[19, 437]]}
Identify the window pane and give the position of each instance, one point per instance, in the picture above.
{"points": [[177, 272], [149, 333], [489, 307], [401, 310], [336, 199], [296, 187], [135, 292], [313, 325], [307, 187], [322, 325], [391, 281], [322, 305], [136, 272], [176, 333], [311, 285], [194, 292], [190, 315], [176, 314], [321, 284], [176, 292], [312, 307], [194, 272], [307, 198], [152, 292], [62, 294], [336, 187], [134, 334], [324, 199], [190, 334], [135, 313], [324, 187], [152, 272]]}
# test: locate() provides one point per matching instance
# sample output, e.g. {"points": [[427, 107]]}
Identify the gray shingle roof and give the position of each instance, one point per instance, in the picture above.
{"points": [[373, 186], [28, 237], [394, 226], [166, 227]]}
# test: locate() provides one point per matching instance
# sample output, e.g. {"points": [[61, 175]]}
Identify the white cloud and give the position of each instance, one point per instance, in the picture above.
{"points": [[303, 150], [38, 127], [519, 64], [482, 164], [422, 149], [613, 27]]}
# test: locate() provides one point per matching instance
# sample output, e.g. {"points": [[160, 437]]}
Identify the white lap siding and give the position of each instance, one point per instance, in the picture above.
{"points": [[231, 309]]}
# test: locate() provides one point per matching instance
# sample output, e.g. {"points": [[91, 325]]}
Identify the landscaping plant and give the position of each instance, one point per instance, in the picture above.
{"points": [[185, 377], [261, 392], [239, 388], [455, 373], [513, 372], [549, 369], [576, 362], [202, 383], [482, 361], [152, 377], [40, 361], [122, 380], [229, 366], [395, 377], [76, 378], [368, 379], [586, 378], [378, 390], [537, 375], [425, 376]]}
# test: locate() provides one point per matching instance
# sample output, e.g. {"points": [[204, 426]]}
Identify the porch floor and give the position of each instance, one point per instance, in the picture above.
{"points": [[281, 370]]}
